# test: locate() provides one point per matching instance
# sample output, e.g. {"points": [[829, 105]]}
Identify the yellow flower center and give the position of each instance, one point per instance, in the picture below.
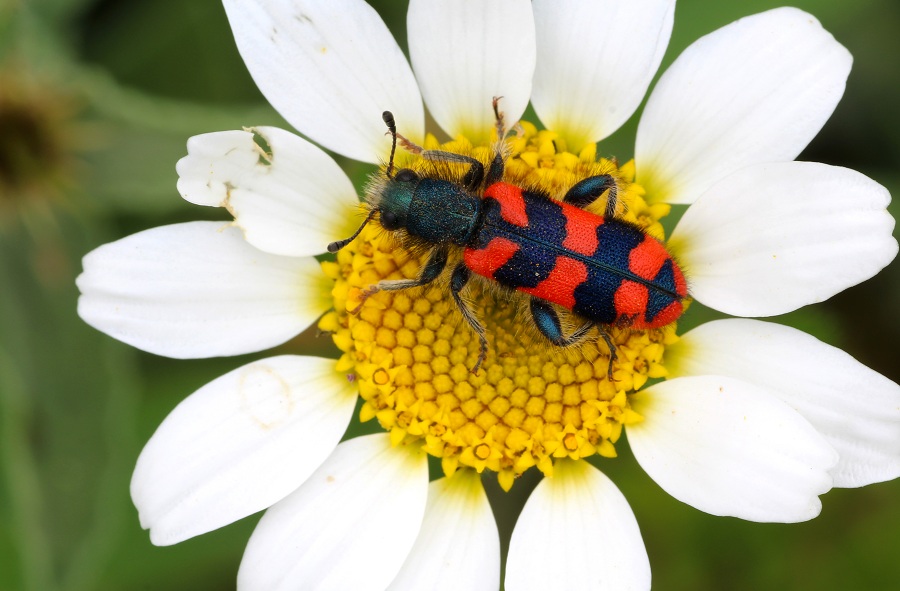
{"points": [[531, 402]]}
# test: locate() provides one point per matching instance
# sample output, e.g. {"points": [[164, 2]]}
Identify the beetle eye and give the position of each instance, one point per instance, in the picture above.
{"points": [[406, 176], [389, 220]]}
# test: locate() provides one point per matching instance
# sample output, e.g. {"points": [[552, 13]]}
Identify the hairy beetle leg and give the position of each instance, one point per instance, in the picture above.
{"points": [[409, 145], [430, 272], [474, 176], [585, 192], [458, 281], [612, 352], [498, 116], [547, 321], [365, 295]]}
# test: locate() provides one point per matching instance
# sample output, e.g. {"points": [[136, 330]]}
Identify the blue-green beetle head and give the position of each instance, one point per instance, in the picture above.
{"points": [[389, 198], [395, 198]]}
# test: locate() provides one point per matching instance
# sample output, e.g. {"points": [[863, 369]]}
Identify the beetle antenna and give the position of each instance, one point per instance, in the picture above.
{"points": [[388, 118], [336, 246]]}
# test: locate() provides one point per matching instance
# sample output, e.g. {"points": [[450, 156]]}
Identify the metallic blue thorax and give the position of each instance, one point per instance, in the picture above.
{"points": [[442, 211]]}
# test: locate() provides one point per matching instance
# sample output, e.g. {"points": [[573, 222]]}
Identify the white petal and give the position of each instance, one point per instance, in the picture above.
{"points": [[855, 408], [774, 237], [349, 526], [464, 53], [731, 448], [593, 69], [458, 546], [240, 444], [577, 532], [292, 201], [757, 90], [330, 69], [198, 290]]}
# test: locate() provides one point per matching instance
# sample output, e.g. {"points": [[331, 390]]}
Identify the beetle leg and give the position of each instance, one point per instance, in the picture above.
{"points": [[495, 172], [430, 272], [475, 174], [457, 281], [612, 351], [585, 192], [498, 116], [473, 177], [409, 145], [547, 321]]}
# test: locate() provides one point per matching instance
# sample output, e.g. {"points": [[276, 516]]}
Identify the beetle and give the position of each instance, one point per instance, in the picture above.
{"points": [[604, 269]]}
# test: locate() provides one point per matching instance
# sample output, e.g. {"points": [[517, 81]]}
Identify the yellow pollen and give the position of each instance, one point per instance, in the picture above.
{"points": [[531, 403]]}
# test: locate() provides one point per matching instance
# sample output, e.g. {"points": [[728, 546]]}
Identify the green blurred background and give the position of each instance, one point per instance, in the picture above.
{"points": [[97, 99]]}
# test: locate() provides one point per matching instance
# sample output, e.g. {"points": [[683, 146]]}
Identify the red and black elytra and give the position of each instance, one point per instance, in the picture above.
{"points": [[606, 270]]}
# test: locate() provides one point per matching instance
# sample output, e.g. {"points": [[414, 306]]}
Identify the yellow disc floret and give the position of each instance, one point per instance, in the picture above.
{"points": [[531, 402]]}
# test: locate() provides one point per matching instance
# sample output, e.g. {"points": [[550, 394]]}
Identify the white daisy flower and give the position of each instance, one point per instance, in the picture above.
{"points": [[753, 419]]}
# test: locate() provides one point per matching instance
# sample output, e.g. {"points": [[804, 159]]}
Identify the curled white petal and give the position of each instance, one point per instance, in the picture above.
{"points": [[458, 546], [291, 199], [771, 238], [730, 448], [198, 290], [593, 69], [330, 68], [239, 444], [757, 90], [349, 526], [464, 53], [855, 408], [577, 532]]}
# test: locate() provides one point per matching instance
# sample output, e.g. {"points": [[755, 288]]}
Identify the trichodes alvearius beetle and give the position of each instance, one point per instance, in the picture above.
{"points": [[606, 270]]}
